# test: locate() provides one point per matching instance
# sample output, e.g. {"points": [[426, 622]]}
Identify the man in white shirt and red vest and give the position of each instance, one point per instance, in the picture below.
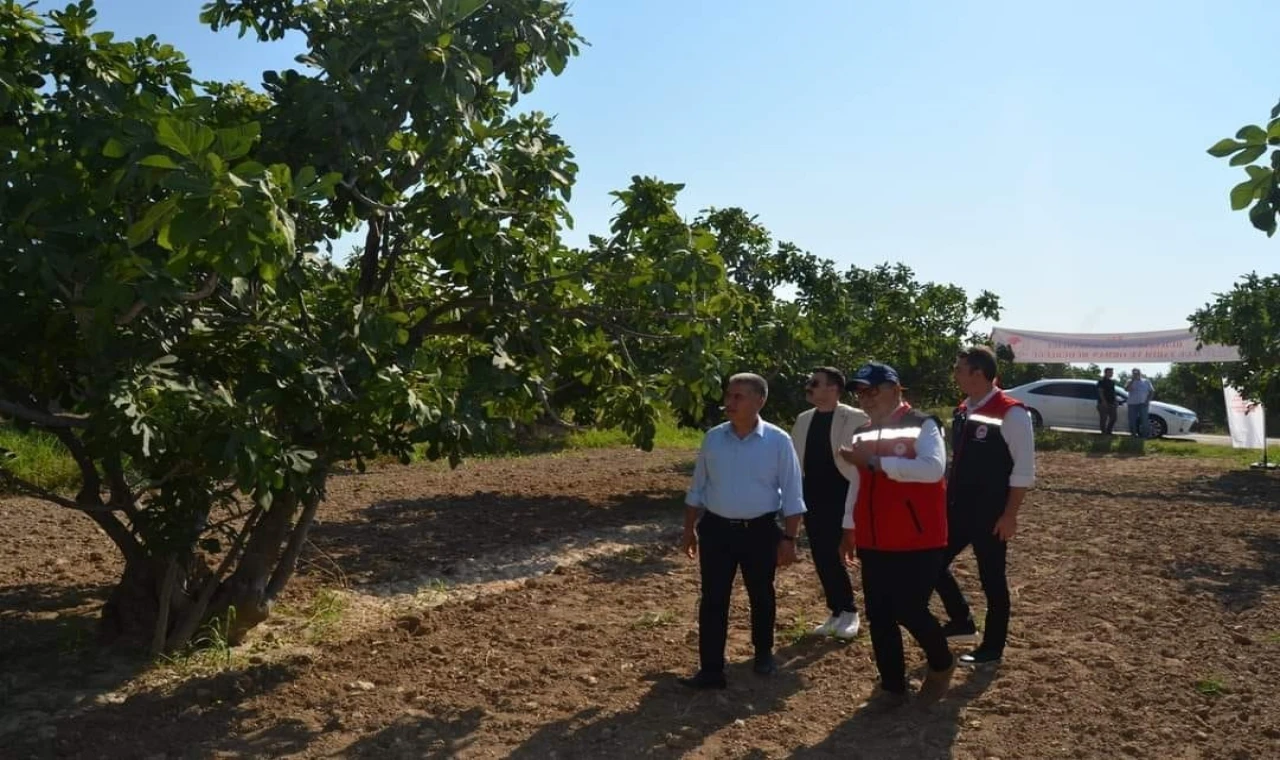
{"points": [[746, 477], [818, 435], [993, 464], [896, 524]]}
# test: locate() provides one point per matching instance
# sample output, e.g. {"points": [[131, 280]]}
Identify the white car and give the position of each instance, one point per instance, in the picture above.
{"points": [[1074, 404]]}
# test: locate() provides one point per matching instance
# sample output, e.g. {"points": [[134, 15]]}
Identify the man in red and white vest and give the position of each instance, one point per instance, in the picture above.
{"points": [[896, 525], [993, 464]]}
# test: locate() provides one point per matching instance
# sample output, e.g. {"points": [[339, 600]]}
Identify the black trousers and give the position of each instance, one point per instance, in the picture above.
{"points": [[965, 529], [824, 524], [896, 588], [723, 547], [1106, 418]]}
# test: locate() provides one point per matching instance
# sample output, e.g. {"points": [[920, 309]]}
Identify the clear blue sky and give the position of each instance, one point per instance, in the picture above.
{"points": [[1050, 152]]}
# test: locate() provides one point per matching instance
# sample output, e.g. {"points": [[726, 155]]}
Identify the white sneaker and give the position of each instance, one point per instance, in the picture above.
{"points": [[828, 628], [847, 626]]}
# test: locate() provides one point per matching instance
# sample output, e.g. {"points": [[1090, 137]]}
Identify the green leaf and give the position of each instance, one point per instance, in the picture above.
{"points": [[1248, 155], [1263, 217], [444, 40], [555, 62], [1242, 194], [465, 8], [1258, 173], [159, 161], [162, 237], [114, 149], [142, 230], [1225, 147], [1252, 134], [189, 140]]}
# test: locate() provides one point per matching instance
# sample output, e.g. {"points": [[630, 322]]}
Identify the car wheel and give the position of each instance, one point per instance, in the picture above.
{"points": [[1037, 421], [1156, 426]]}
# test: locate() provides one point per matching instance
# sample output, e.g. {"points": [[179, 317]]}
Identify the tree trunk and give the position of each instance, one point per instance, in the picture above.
{"points": [[246, 589], [260, 564], [130, 614]]}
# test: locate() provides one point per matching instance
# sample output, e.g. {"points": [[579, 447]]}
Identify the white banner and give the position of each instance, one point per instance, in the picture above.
{"points": [[1137, 348], [1245, 419]]}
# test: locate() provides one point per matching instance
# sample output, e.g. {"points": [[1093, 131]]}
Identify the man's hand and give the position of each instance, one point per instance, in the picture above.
{"points": [[786, 552], [849, 550], [689, 543], [1006, 526], [858, 454]]}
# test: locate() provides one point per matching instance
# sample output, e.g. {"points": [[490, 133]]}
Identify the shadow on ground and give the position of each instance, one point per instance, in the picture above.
{"points": [[1237, 587], [439, 536]]}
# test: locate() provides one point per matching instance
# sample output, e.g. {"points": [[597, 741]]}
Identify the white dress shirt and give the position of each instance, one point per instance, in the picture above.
{"points": [[1020, 436]]}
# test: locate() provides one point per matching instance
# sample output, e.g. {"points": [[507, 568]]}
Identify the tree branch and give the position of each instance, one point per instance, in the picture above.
{"points": [[43, 419], [289, 560], [370, 255], [427, 326], [208, 288], [27, 488], [371, 203], [191, 623]]}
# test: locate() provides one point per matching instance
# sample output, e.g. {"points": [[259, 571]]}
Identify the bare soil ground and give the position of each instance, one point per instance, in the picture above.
{"points": [[537, 607]]}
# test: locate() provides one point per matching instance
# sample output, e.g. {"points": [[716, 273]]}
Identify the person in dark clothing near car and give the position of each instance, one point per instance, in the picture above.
{"points": [[992, 465], [818, 435], [896, 525], [1107, 401]]}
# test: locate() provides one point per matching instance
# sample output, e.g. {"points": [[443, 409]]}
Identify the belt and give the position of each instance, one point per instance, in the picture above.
{"points": [[744, 523]]}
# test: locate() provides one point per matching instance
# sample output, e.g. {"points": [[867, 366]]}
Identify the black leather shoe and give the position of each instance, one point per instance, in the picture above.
{"points": [[765, 666], [980, 656], [960, 630], [704, 680]]}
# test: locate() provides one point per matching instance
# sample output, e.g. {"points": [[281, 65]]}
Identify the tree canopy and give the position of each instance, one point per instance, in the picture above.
{"points": [[177, 317]]}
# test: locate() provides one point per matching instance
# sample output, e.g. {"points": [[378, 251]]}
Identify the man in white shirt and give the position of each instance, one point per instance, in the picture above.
{"points": [[818, 435], [993, 464], [747, 472], [1141, 392]]}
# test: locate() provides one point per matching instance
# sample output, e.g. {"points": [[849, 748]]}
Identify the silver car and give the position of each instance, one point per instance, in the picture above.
{"points": [[1074, 404]]}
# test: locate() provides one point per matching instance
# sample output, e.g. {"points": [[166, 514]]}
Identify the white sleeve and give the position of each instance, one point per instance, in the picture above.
{"points": [[1020, 436], [851, 499], [929, 464]]}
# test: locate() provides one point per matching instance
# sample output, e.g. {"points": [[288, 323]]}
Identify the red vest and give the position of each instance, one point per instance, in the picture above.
{"points": [[893, 516]]}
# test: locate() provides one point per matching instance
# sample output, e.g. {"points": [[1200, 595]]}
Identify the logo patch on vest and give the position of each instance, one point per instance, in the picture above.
{"points": [[981, 432], [899, 449]]}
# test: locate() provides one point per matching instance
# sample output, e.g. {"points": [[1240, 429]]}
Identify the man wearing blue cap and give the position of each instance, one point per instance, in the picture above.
{"points": [[896, 524]]}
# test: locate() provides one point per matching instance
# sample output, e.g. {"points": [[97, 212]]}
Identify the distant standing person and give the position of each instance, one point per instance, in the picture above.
{"points": [[818, 435], [1141, 392], [1107, 402], [896, 524], [993, 463], [747, 472]]}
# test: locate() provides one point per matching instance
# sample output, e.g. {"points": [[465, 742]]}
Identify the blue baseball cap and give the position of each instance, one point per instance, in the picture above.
{"points": [[872, 374]]}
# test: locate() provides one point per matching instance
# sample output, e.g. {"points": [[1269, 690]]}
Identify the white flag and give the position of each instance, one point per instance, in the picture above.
{"points": [[1245, 420]]}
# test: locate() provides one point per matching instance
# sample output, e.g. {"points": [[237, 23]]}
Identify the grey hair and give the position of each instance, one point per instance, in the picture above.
{"points": [[757, 383]]}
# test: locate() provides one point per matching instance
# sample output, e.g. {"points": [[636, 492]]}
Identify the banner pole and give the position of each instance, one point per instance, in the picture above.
{"points": [[1264, 464]]}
